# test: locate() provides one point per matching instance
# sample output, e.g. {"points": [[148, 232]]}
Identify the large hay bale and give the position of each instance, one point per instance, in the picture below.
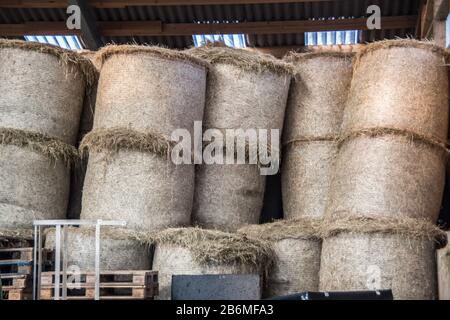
{"points": [[195, 251], [318, 94], [387, 175], [149, 89], [144, 93], [296, 245], [43, 88], [392, 158], [119, 249], [245, 90], [401, 84], [34, 175], [373, 254], [228, 196], [313, 118], [135, 182]]}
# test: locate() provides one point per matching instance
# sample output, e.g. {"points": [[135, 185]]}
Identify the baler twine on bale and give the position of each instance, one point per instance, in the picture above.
{"points": [[376, 132], [410, 227], [52, 148]]}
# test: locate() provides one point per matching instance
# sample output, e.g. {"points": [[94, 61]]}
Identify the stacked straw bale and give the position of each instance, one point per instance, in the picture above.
{"points": [[119, 249], [382, 253], [38, 131], [296, 245], [388, 178], [144, 93], [392, 153], [194, 251], [245, 90], [313, 118]]}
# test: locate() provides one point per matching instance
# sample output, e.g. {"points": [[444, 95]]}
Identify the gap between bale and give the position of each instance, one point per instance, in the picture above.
{"points": [[69, 59], [52, 148], [115, 139], [303, 229], [249, 61], [409, 227], [217, 247], [161, 52]]}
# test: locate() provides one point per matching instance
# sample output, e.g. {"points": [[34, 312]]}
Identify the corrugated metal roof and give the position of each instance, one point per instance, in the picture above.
{"points": [[67, 42], [231, 40], [236, 13]]}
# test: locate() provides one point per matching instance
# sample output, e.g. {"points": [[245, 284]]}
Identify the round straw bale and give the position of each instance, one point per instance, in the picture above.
{"points": [[227, 197], [146, 190], [43, 88], [387, 175], [245, 89], [32, 187], [360, 254], [296, 245], [313, 119], [149, 88], [194, 251], [306, 177], [401, 84], [119, 249], [318, 95]]}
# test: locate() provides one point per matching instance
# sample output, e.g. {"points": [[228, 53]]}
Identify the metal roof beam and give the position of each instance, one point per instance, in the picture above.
{"points": [[125, 3], [157, 28], [89, 30]]}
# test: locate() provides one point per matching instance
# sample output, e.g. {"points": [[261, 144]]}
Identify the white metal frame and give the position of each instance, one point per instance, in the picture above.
{"points": [[60, 238]]}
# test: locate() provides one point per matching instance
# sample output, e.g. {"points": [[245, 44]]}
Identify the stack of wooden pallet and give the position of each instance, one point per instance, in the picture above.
{"points": [[114, 285], [16, 267]]}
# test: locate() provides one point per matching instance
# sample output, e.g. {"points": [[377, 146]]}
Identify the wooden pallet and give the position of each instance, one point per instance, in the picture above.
{"points": [[114, 285], [16, 286], [16, 272]]}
